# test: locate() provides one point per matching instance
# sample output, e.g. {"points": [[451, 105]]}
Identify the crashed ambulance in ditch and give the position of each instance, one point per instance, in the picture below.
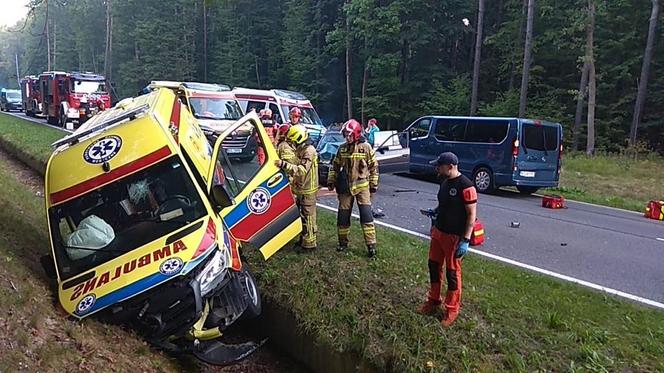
{"points": [[147, 220]]}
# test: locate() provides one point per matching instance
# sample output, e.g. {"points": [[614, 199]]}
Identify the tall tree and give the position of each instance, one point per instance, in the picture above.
{"points": [[592, 87], [349, 95], [107, 53], [580, 99], [478, 53], [527, 57], [645, 71]]}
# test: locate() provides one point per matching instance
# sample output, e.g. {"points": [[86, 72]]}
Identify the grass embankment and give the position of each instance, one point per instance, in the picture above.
{"points": [[612, 180], [32, 138], [34, 335], [510, 320]]}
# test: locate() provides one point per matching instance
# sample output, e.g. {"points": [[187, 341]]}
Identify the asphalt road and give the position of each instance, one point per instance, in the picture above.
{"points": [[38, 120], [613, 248]]}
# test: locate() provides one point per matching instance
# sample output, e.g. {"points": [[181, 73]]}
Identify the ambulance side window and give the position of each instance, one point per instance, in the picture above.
{"points": [[241, 156], [275, 113]]}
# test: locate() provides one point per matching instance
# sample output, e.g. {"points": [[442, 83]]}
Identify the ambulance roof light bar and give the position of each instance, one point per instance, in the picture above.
{"points": [[131, 114]]}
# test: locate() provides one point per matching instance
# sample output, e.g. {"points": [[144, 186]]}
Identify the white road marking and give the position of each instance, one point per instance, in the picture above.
{"points": [[543, 271]]}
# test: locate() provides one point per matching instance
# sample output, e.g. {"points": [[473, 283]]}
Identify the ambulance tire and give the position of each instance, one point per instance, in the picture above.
{"points": [[254, 304], [526, 189], [483, 180]]}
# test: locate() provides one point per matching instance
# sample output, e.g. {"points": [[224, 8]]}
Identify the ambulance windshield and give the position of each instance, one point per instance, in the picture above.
{"points": [[122, 216], [215, 108]]}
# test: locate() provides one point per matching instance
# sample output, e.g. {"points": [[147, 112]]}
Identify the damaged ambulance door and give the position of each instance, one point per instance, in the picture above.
{"points": [[264, 213]]}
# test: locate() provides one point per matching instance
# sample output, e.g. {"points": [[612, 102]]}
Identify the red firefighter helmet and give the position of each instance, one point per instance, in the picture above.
{"points": [[353, 128], [295, 112], [282, 130]]}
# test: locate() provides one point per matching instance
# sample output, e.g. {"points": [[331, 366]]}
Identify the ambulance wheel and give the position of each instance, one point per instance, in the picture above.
{"points": [[250, 288], [527, 189], [483, 180]]}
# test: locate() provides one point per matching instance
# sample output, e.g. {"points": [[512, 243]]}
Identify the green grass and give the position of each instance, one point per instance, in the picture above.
{"points": [[510, 319], [33, 138], [612, 180], [34, 334]]}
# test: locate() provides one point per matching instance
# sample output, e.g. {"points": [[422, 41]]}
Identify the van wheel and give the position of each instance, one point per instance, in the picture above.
{"points": [[527, 189], [483, 179], [250, 287]]}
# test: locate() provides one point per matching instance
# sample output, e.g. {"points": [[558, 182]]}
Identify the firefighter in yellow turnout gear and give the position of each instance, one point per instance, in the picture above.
{"points": [[355, 175], [305, 182]]}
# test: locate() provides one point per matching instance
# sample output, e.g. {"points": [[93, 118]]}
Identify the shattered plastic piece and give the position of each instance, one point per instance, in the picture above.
{"points": [[515, 224]]}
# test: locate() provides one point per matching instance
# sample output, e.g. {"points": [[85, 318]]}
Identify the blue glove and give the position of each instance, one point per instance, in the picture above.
{"points": [[462, 248], [431, 213]]}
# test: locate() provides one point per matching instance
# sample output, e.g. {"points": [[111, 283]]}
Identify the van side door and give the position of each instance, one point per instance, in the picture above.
{"points": [[449, 134], [264, 213]]}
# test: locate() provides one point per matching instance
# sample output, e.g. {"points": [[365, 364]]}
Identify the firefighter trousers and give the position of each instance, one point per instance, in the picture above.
{"points": [[441, 255], [307, 205], [366, 218]]}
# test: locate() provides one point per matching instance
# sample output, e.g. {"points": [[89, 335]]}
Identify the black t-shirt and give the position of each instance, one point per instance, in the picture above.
{"points": [[453, 196]]}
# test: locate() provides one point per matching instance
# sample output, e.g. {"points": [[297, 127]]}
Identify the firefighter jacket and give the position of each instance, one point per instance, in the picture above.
{"points": [[286, 152], [359, 162], [305, 171]]}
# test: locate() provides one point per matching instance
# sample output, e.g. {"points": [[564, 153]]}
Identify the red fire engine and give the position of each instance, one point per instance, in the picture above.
{"points": [[72, 97], [31, 95]]}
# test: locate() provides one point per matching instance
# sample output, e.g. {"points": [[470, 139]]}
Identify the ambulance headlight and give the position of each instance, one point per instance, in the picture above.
{"points": [[213, 273]]}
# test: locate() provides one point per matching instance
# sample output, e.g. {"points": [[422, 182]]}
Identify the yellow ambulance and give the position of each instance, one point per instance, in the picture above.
{"points": [[147, 219]]}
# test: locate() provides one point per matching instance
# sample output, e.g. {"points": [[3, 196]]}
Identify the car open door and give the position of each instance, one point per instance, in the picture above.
{"points": [[264, 213]]}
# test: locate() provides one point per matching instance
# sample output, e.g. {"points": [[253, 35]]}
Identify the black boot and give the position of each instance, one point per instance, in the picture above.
{"points": [[342, 247], [371, 250]]}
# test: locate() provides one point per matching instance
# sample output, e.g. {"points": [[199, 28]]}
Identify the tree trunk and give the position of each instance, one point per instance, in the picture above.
{"points": [[48, 43], [349, 97], [645, 70], [478, 54], [365, 76], [524, 9], [592, 88], [583, 93], [107, 53], [526, 59], [55, 42], [205, 45], [258, 75]]}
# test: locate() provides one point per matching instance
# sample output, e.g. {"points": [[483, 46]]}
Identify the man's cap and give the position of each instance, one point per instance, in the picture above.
{"points": [[446, 158]]}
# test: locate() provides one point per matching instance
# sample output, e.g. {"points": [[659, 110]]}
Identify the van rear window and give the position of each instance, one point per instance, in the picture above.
{"points": [[540, 137]]}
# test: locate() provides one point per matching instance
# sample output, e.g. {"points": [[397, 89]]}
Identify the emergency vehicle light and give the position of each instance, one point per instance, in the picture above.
{"points": [[289, 94], [131, 114]]}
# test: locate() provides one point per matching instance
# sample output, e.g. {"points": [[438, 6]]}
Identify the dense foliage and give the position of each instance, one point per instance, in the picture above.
{"points": [[409, 57]]}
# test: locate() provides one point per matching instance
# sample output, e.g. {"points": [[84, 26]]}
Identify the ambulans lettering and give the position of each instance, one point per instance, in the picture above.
{"points": [[173, 266]]}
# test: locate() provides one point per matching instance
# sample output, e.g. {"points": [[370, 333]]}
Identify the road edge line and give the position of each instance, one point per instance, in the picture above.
{"points": [[513, 262]]}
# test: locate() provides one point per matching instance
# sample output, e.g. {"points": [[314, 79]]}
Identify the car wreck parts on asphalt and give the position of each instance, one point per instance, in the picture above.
{"points": [[148, 233]]}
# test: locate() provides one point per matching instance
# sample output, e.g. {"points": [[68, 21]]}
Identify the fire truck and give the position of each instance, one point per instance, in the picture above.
{"points": [[69, 99], [30, 95]]}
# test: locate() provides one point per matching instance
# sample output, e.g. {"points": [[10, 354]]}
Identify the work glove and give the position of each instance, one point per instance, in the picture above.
{"points": [[462, 248], [430, 213], [373, 190]]}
